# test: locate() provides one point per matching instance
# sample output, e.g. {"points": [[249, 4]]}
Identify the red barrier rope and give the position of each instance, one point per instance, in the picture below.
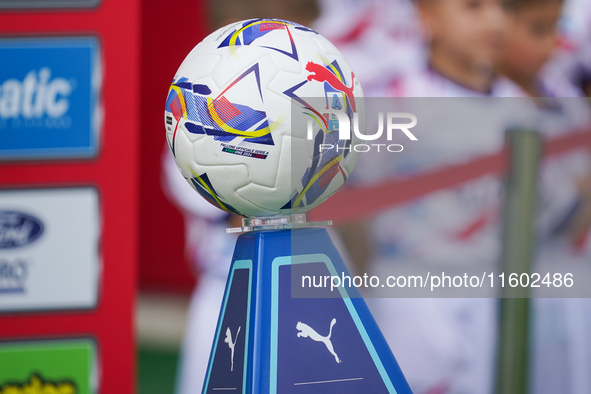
{"points": [[354, 203]]}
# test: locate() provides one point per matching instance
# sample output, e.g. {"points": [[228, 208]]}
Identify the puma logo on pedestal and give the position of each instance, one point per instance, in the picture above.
{"points": [[306, 331], [231, 344]]}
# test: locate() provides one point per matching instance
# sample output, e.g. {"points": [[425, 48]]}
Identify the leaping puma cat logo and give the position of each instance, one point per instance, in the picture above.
{"points": [[308, 332], [231, 344], [322, 74]]}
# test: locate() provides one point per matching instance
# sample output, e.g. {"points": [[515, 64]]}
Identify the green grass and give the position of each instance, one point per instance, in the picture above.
{"points": [[156, 371]]}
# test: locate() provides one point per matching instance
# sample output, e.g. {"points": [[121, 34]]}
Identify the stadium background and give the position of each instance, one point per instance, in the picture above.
{"points": [[142, 241]]}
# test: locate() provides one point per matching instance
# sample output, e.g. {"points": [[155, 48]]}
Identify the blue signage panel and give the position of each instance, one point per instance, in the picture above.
{"points": [[288, 344], [49, 98]]}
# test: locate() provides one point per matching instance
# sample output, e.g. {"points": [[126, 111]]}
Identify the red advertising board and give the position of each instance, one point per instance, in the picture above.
{"points": [[69, 205], [82, 212]]}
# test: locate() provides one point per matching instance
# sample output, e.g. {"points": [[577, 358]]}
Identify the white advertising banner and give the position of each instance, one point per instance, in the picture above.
{"points": [[49, 249]]}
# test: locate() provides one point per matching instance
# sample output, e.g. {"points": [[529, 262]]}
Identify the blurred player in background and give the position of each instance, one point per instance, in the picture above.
{"points": [[210, 250], [381, 39], [533, 33], [573, 55], [447, 345], [464, 41]]}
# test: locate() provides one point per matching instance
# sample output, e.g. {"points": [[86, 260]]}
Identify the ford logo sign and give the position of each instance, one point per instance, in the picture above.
{"points": [[18, 229]]}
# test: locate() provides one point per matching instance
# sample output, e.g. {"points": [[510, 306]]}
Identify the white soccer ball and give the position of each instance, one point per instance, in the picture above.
{"points": [[250, 118]]}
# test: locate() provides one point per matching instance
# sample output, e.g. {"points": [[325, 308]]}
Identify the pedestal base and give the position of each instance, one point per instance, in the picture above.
{"points": [[268, 341]]}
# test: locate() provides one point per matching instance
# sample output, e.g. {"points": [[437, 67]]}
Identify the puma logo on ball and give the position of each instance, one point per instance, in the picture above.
{"points": [[322, 74]]}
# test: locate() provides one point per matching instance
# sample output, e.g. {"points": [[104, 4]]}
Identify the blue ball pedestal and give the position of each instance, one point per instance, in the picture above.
{"points": [[314, 340]]}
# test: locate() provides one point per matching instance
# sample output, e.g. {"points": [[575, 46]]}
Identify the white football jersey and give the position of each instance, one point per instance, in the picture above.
{"points": [[447, 345], [208, 245], [381, 39], [461, 223], [428, 82]]}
